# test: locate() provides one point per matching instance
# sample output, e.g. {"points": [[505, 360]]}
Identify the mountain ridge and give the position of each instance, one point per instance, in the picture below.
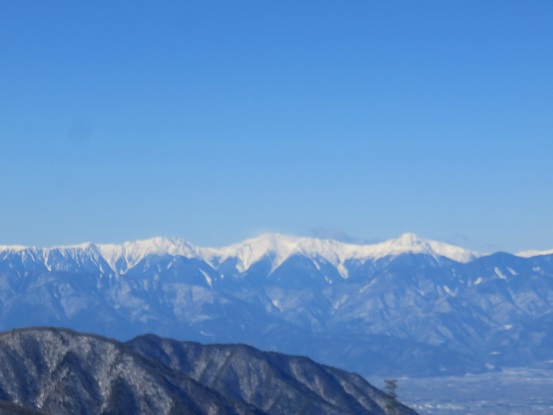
{"points": [[122, 257]]}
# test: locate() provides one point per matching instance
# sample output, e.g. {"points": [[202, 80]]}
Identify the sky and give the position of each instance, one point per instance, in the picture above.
{"points": [[215, 121]]}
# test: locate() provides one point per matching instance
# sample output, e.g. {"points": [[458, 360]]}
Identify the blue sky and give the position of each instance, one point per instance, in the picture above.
{"points": [[216, 120]]}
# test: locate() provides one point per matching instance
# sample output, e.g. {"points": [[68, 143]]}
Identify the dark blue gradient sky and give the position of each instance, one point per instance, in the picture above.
{"points": [[217, 120]]}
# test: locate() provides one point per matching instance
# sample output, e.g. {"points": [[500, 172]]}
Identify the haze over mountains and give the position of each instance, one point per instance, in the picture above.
{"points": [[405, 306]]}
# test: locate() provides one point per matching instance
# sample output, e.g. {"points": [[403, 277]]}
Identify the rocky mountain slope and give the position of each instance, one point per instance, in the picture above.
{"points": [[58, 371], [406, 306]]}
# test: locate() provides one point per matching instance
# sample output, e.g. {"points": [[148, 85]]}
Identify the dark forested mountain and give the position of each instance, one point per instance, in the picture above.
{"points": [[406, 306], [58, 371]]}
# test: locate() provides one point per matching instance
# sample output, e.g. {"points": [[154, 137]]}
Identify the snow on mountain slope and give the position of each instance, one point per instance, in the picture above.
{"points": [[12, 248], [530, 254], [281, 247], [22, 251], [123, 257], [411, 243], [82, 256], [117, 257]]}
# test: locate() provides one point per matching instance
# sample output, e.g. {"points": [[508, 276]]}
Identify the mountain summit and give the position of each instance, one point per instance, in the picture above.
{"points": [[414, 244]]}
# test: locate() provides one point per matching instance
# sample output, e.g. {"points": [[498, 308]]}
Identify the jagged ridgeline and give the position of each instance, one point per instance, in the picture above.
{"points": [[58, 371], [407, 306]]}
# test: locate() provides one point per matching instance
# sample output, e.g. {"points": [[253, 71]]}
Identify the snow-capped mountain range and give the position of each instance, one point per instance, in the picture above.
{"points": [[405, 306], [120, 258]]}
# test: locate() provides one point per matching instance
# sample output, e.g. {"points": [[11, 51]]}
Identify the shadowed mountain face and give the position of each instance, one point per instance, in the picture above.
{"points": [[58, 371], [402, 307], [273, 382], [64, 372]]}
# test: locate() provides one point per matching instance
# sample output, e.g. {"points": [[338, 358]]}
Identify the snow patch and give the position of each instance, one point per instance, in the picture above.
{"points": [[276, 304], [207, 278], [449, 291], [341, 301], [499, 273], [343, 271]]}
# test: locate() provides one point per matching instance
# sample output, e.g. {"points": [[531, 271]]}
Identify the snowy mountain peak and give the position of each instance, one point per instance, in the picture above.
{"points": [[280, 247], [122, 257], [409, 243], [409, 240], [13, 248], [248, 252]]}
